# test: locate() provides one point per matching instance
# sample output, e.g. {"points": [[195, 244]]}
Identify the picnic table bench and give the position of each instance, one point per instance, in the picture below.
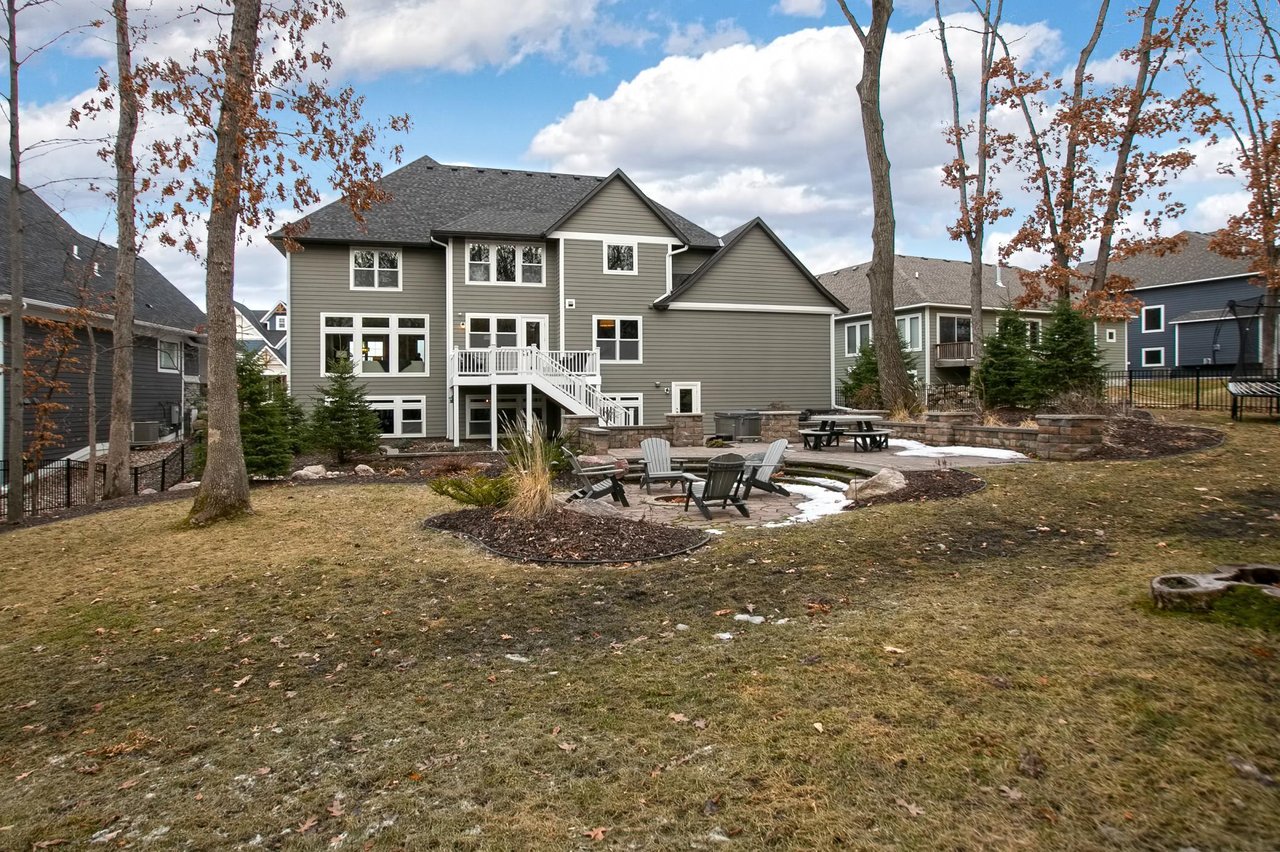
{"points": [[860, 427], [1251, 390]]}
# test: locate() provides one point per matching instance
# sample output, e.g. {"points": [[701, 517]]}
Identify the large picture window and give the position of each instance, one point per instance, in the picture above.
{"points": [[955, 329], [375, 269], [505, 263], [376, 344], [618, 339]]}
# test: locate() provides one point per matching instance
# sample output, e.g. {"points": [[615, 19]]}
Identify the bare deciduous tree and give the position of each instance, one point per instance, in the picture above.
{"points": [[895, 386]]}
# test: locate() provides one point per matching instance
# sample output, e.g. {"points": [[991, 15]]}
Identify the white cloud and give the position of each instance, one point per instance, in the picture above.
{"points": [[695, 39], [1210, 213], [774, 130], [801, 8]]}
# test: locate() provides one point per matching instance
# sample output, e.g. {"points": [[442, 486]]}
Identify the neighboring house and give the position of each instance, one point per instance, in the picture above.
{"points": [[931, 302], [276, 319], [168, 330], [477, 294], [268, 341], [1185, 320]]}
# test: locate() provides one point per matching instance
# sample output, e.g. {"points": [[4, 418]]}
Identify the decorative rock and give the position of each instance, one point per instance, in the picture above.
{"points": [[185, 486], [682, 627], [724, 637], [311, 471], [599, 461], [147, 491], [599, 508], [387, 450], [885, 482], [364, 470]]}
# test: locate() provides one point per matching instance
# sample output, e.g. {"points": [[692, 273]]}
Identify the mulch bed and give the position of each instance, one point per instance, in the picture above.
{"points": [[568, 536], [1139, 438], [927, 485]]}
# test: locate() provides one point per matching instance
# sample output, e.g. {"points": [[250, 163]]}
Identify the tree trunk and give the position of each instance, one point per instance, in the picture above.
{"points": [[224, 488], [118, 482], [91, 477], [895, 386], [1270, 317], [15, 364]]}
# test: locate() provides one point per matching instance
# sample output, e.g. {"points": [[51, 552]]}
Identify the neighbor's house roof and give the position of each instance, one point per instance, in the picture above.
{"points": [[53, 274], [924, 281], [434, 199], [254, 317], [1192, 261]]}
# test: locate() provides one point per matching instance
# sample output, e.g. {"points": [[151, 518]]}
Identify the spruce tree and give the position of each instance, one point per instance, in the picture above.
{"points": [[1067, 359], [342, 421], [1005, 375], [264, 431], [861, 386]]}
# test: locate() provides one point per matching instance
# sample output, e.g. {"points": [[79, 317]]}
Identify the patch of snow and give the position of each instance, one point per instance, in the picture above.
{"points": [[516, 658], [715, 532], [822, 500], [926, 452], [724, 636], [906, 444], [752, 619], [682, 627]]}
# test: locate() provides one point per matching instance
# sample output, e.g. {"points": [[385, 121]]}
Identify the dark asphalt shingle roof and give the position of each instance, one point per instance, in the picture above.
{"points": [[53, 274], [924, 280], [429, 197], [1192, 261], [274, 339]]}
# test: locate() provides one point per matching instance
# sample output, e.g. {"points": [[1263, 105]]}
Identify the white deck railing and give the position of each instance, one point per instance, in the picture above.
{"points": [[565, 374]]}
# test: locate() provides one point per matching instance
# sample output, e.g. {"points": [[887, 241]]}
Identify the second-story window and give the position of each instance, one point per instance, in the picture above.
{"points": [[504, 263], [375, 269], [620, 258]]}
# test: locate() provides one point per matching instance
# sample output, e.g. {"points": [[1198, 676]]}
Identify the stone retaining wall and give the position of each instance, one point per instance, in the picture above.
{"points": [[1057, 437], [682, 430], [999, 437], [779, 424], [1063, 437]]}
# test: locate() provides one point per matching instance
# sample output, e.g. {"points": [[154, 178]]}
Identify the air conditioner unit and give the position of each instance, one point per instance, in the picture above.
{"points": [[146, 432]]}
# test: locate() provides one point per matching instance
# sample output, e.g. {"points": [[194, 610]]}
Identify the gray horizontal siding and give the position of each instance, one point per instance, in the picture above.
{"points": [[498, 299], [755, 271], [685, 262], [320, 283], [615, 209]]}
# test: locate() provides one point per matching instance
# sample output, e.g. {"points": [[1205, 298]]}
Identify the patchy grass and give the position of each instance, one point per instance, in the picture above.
{"points": [[976, 673]]}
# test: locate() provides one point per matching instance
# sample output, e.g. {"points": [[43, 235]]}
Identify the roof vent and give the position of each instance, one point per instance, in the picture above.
{"points": [[75, 251], [917, 274]]}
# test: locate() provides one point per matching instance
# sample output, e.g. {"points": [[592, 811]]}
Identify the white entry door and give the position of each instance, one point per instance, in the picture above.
{"points": [[686, 397]]}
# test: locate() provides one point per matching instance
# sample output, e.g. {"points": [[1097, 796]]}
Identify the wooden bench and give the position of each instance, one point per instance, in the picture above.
{"points": [[816, 439], [1250, 390], [870, 440]]}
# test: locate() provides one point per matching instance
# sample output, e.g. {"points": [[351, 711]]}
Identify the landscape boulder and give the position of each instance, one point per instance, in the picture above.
{"points": [[885, 482], [364, 470], [185, 486], [311, 471]]}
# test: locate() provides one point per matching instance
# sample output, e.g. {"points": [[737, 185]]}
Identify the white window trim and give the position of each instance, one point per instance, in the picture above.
{"points": [[351, 270], [282, 323], [397, 405], [520, 319], [635, 257], [493, 264], [676, 387], [854, 353], [160, 368], [1038, 323], [906, 318], [1143, 359], [356, 330], [1110, 335], [629, 400], [1142, 319], [938, 325], [595, 318], [476, 401]]}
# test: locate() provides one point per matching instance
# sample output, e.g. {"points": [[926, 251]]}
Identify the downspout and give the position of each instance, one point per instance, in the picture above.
{"points": [[835, 402], [560, 275], [288, 297], [449, 392], [4, 420]]}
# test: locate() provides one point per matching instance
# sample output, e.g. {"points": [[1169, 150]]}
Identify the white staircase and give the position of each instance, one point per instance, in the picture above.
{"points": [[571, 378]]}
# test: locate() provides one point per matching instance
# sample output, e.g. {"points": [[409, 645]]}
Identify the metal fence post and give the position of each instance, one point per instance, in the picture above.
{"points": [[135, 480], [1130, 380], [1197, 390], [66, 478], [163, 472]]}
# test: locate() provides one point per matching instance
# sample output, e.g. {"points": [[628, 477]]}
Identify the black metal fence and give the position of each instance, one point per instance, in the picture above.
{"points": [[66, 483], [1201, 388]]}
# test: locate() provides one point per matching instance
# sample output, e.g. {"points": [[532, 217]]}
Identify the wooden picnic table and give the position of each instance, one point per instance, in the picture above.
{"points": [[828, 431]]}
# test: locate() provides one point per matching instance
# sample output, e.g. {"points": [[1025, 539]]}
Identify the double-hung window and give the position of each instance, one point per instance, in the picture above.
{"points": [[618, 339], [909, 331], [167, 355], [857, 336], [619, 258], [505, 263], [375, 269], [387, 344], [400, 416], [1033, 332]]}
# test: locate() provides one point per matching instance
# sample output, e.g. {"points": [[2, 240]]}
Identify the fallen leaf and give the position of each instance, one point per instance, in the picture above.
{"points": [[595, 833], [913, 809], [1010, 793], [723, 611], [817, 726], [711, 806], [45, 844], [677, 717], [125, 785], [555, 730], [242, 681], [415, 776], [892, 650], [23, 775], [568, 746], [700, 724], [307, 824], [262, 770], [335, 808]]}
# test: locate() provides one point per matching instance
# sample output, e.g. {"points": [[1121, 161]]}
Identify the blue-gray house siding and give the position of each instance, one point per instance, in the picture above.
{"points": [[1194, 327]]}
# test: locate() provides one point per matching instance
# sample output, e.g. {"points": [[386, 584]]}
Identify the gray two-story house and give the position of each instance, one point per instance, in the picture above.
{"points": [[69, 278], [476, 294], [1185, 319], [931, 302]]}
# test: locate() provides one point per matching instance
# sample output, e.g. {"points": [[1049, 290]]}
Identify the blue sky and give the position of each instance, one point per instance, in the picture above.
{"points": [[721, 110]]}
